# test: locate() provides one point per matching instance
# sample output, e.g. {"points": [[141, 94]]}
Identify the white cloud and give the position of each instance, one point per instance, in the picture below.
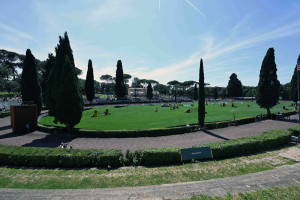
{"points": [[112, 10], [15, 32]]}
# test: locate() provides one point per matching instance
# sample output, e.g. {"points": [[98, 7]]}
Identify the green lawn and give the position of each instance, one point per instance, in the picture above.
{"points": [[35, 178], [145, 117]]}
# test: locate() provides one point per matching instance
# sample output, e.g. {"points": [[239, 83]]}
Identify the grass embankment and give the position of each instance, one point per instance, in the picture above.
{"points": [[145, 117], [291, 193], [122, 177]]}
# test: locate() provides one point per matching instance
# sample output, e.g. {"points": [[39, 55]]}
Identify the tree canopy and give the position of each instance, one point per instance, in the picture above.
{"points": [[234, 87], [268, 86], [89, 83]]}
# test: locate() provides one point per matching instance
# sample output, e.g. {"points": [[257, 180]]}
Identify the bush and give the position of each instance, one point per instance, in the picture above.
{"points": [[57, 157], [295, 130], [235, 147], [4, 114]]}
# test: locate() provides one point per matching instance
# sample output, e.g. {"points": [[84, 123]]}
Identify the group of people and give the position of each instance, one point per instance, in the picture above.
{"points": [[95, 114], [65, 146]]}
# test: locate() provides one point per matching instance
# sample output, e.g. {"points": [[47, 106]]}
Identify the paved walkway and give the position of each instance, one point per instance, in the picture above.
{"points": [[40, 139], [288, 175]]}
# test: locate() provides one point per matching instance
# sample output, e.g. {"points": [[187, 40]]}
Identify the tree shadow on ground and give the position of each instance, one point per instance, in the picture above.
{"points": [[215, 135], [5, 128], [12, 134], [50, 140]]}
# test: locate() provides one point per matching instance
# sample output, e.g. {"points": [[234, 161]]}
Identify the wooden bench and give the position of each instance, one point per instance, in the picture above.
{"points": [[196, 153], [296, 139]]}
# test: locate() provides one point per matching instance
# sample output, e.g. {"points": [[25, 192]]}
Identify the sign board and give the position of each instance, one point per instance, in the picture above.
{"points": [[196, 153]]}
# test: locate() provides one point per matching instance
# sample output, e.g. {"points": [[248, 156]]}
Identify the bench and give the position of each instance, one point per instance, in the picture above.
{"points": [[195, 153], [296, 139]]}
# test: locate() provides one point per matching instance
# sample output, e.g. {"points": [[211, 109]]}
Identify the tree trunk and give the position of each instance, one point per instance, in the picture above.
{"points": [[268, 113]]}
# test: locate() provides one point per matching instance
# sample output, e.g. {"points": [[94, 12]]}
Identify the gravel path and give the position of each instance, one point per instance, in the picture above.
{"points": [[40, 139]]}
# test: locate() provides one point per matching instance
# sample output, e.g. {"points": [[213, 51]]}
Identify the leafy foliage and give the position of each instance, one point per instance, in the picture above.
{"points": [[89, 83], [69, 100], [268, 85], [234, 87], [201, 100], [120, 86], [293, 92], [30, 86], [149, 91]]}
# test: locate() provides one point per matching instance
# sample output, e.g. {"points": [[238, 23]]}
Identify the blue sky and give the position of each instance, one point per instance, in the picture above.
{"points": [[160, 39]]}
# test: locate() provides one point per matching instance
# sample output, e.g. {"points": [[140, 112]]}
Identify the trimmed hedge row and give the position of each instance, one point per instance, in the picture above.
{"points": [[57, 157], [235, 147], [4, 114], [70, 158]]}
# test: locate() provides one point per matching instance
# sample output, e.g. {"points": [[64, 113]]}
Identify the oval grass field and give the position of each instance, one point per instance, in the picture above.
{"points": [[144, 116]]}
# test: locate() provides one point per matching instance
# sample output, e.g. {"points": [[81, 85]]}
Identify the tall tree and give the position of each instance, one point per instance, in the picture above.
{"points": [[30, 86], [149, 91], [89, 83], [46, 73], [293, 91], [69, 98], [62, 50], [234, 87], [216, 95], [268, 86], [120, 86], [195, 93], [201, 100]]}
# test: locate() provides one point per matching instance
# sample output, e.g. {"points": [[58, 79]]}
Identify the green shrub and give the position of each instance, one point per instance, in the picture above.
{"points": [[235, 147], [295, 130], [57, 157], [4, 114]]}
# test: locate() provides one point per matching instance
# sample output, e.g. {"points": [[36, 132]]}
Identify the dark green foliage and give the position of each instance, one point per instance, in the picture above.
{"points": [[293, 91], [57, 157], [62, 50], [234, 87], [268, 86], [201, 100], [120, 86], [216, 95], [30, 87], [89, 83], [235, 147], [46, 73], [69, 100], [149, 91], [195, 93]]}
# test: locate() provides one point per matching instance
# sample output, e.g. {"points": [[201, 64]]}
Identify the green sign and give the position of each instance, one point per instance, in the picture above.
{"points": [[196, 153]]}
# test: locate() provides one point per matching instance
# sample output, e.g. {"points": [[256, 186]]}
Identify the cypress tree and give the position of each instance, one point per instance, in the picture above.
{"points": [[89, 83], [69, 100], [293, 91], [201, 99], [149, 91], [120, 86], [30, 86], [53, 84], [46, 73], [195, 92], [268, 86], [234, 87]]}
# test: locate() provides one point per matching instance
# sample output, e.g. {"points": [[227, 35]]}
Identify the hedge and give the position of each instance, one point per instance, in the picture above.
{"points": [[4, 114], [235, 147], [58, 157], [295, 130], [70, 158]]}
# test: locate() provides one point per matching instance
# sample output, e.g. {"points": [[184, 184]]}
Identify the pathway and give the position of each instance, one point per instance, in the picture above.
{"points": [[288, 175], [40, 139]]}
